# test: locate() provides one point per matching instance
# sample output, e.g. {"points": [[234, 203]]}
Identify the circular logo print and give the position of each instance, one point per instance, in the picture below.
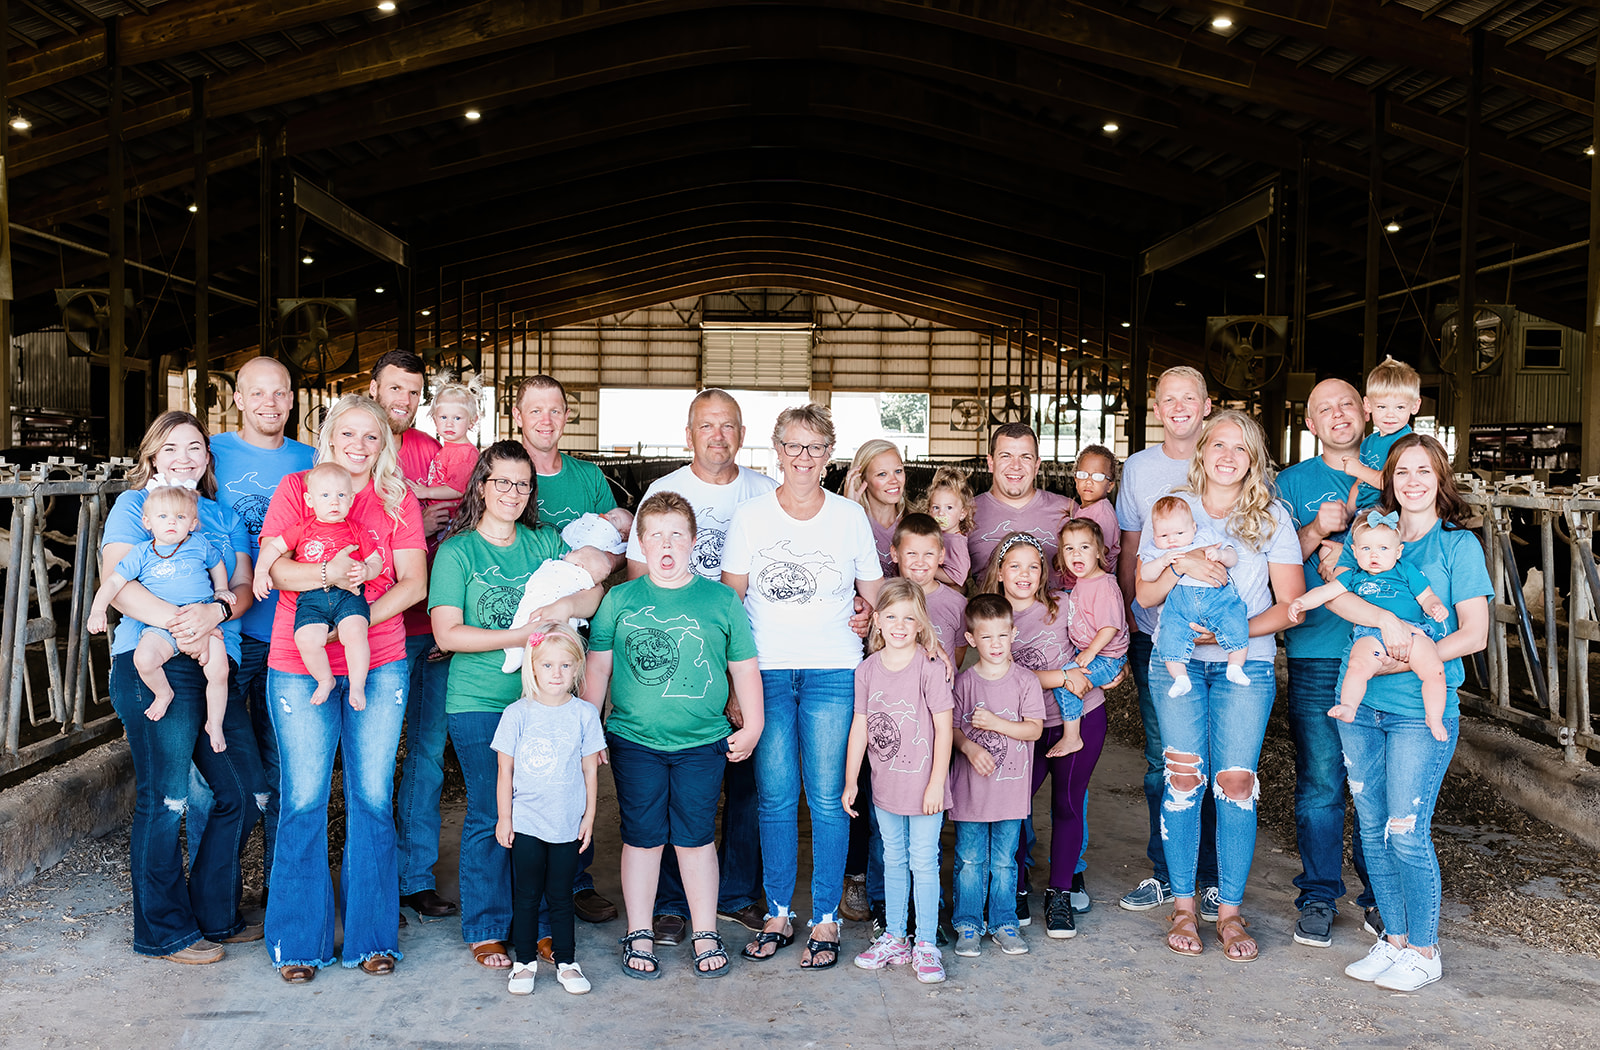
{"points": [[990, 741], [253, 509], [1028, 656], [882, 737], [651, 656], [497, 607], [787, 581], [707, 555]]}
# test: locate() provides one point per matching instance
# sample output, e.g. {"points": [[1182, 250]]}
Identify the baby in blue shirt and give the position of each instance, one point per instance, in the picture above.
{"points": [[1396, 587], [1394, 395], [181, 566]]}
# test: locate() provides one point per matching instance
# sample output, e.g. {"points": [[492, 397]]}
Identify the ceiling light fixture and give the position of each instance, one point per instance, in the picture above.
{"points": [[1110, 127], [307, 259], [427, 313], [379, 289], [386, 6], [22, 123], [193, 207], [1127, 324], [1588, 152], [473, 114], [1392, 227], [1222, 22], [1083, 342], [1261, 275]]}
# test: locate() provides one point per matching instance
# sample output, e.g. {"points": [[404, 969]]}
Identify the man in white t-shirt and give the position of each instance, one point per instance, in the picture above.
{"points": [[1181, 406], [714, 484]]}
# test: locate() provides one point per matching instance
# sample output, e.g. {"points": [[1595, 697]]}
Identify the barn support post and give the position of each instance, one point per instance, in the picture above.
{"points": [[1589, 416], [1139, 368], [1467, 297], [1369, 323], [116, 410], [7, 286], [202, 260]]}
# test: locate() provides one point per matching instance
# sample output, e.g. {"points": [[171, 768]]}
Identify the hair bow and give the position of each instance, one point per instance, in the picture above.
{"points": [[160, 481], [1020, 537], [1390, 520]]}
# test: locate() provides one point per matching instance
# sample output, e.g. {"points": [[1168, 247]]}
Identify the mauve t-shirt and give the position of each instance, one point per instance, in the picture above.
{"points": [[883, 543], [1095, 603], [957, 560], [1044, 646], [947, 615], [993, 520], [899, 707], [1003, 794]]}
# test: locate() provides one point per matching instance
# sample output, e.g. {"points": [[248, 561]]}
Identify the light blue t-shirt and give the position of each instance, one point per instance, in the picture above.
{"points": [[1453, 563], [247, 477], [547, 746], [178, 574], [1147, 475], [1251, 577], [1305, 487], [221, 526], [1374, 454]]}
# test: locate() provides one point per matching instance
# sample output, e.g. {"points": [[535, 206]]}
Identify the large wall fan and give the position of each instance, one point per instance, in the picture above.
{"points": [[318, 338], [1245, 353]]}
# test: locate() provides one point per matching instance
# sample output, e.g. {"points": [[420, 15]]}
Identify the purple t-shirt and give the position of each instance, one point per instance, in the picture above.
{"points": [[1095, 603], [1004, 794], [947, 614], [882, 539], [1044, 646], [992, 520], [899, 707], [1103, 514], [957, 560]]}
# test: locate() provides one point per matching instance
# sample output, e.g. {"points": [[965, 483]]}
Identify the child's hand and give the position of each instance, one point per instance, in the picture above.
{"points": [[936, 652], [586, 831], [1071, 741], [97, 621], [1297, 611], [262, 586], [742, 744], [1347, 462], [983, 718], [1214, 552], [1075, 681], [933, 799], [227, 596], [848, 800], [979, 758], [503, 833], [1437, 610]]}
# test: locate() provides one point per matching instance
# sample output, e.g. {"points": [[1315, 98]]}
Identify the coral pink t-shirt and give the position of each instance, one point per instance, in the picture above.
{"points": [[899, 707], [1004, 794], [452, 467], [318, 541], [1044, 646], [1095, 603], [1103, 514], [383, 533]]}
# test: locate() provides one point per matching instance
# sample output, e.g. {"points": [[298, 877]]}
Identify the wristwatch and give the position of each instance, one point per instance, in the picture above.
{"points": [[227, 610]]}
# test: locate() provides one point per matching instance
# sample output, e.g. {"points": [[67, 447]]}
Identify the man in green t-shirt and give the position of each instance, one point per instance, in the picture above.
{"points": [[566, 489]]}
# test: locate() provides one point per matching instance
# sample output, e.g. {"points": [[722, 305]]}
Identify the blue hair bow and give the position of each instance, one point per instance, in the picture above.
{"points": [[1390, 520]]}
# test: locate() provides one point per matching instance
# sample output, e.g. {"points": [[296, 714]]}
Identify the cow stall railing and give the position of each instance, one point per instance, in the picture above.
{"points": [[56, 699], [1527, 633]]}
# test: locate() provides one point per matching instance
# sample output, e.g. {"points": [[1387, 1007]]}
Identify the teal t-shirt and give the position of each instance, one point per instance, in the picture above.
{"points": [[1375, 453], [670, 653], [1305, 487], [485, 582], [1395, 590], [579, 488], [1452, 562]]}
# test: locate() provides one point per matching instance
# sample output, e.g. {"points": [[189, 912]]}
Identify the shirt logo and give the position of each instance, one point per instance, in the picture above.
{"points": [[651, 656], [792, 577]]}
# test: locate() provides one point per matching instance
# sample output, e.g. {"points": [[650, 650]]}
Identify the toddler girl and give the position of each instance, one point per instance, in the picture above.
{"points": [[1175, 533], [1394, 586], [1094, 474], [903, 706], [549, 744], [1097, 620], [178, 565], [949, 502], [455, 414]]}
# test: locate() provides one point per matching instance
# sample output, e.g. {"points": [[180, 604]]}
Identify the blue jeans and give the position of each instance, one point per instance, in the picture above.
{"points": [[911, 865], [738, 854], [1319, 779], [1140, 647], [171, 912], [1223, 724], [808, 716], [416, 810], [247, 726], [485, 864], [985, 866], [1219, 608], [1395, 768], [301, 910]]}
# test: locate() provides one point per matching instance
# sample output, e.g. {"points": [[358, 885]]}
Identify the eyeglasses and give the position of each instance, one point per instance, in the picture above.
{"points": [[506, 485], [795, 449], [1084, 475]]}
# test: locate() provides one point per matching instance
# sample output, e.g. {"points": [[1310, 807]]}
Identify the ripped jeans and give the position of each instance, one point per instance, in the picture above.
{"points": [[1395, 768], [1222, 725]]}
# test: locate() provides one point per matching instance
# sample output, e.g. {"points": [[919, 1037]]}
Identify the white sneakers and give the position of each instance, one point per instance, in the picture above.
{"points": [[522, 977], [1396, 969]]}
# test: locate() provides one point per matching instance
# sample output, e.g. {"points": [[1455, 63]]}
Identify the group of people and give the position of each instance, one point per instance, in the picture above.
{"points": [[333, 599]]}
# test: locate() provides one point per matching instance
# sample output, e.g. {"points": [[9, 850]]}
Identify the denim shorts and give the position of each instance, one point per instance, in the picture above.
{"points": [[326, 608], [1432, 628], [667, 797], [1102, 669]]}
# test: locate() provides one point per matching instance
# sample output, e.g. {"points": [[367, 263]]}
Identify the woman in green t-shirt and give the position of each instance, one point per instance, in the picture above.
{"points": [[495, 544], [669, 644]]}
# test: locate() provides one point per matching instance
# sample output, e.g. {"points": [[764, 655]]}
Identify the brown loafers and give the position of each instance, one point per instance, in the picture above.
{"points": [[200, 953]]}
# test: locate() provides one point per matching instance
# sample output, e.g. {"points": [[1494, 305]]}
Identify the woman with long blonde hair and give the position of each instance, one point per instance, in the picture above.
{"points": [[302, 909], [877, 481], [1212, 734]]}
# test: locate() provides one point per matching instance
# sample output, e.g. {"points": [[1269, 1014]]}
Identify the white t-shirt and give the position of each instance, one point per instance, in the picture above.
{"points": [[802, 579], [713, 513], [1147, 475], [547, 746]]}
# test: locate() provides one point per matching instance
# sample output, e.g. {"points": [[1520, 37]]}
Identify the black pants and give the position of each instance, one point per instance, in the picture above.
{"points": [[542, 869]]}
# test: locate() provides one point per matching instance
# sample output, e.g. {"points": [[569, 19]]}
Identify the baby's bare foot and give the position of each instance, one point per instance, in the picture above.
{"points": [[358, 700], [1342, 712], [158, 707], [219, 743], [321, 692], [1437, 725]]}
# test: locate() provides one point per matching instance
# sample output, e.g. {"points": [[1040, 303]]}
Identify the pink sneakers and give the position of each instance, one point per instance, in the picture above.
{"points": [[926, 961], [887, 950]]}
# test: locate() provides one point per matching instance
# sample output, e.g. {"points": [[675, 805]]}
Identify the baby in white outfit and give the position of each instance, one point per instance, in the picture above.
{"points": [[578, 570]]}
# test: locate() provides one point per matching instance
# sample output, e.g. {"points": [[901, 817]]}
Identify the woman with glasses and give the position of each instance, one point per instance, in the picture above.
{"points": [[495, 545], [302, 909], [798, 556]]}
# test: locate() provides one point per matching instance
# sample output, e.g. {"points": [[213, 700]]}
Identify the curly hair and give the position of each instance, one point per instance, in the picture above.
{"points": [[991, 575], [1250, 520], [954, 479]]}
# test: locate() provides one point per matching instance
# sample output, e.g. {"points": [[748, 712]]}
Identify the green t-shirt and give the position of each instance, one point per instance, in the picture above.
{"points": [[485, 582], [670, 653], [579, 488]]}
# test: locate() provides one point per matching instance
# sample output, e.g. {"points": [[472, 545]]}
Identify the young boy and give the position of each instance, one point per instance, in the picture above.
{"points": [[999, 712], [319, 538], [1394, 395], [181, 566], [918, 550], [1175, 532]]}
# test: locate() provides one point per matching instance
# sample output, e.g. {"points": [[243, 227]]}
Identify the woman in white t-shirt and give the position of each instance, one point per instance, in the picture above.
{"points": [[1212, 734], [798, 556]]}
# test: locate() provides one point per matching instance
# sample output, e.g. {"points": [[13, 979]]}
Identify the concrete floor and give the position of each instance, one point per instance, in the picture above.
{"points": [[70, 979]]}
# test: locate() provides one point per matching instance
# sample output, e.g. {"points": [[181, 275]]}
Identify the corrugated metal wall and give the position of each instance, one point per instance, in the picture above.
{"points": [[48, 378], [1521, 395]]}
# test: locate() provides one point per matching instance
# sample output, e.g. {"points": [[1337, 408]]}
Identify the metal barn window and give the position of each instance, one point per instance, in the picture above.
{"points": [[756, 357], [1541, 348]]}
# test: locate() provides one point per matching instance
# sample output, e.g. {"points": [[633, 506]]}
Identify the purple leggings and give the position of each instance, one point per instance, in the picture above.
{"points": [[1069, 780]]}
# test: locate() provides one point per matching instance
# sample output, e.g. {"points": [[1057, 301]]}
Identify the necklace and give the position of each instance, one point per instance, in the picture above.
{"points": [[156, 549], [501, 540]]}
